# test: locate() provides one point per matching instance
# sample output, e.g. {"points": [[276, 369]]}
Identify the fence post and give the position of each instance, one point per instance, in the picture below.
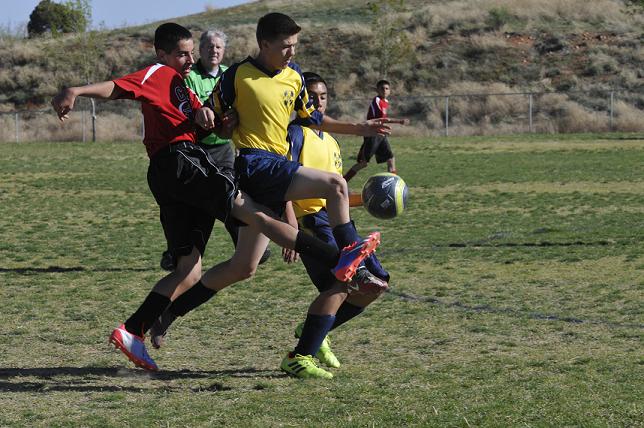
{"points": [[446, 116], [93, 119], [612, 101], [17, 124], [530, 112], [83, 124]]}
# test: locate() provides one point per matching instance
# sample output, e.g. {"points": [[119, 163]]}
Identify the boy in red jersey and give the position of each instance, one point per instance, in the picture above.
{"points": [[378, 145], [183, 179]]}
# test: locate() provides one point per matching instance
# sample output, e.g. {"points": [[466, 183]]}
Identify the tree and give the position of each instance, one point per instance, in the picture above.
{"points": [[56, 18], [392, 44]]}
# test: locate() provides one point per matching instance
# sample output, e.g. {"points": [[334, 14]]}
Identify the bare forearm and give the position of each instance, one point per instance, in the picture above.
{"points": [[102, 90], [63, 103], [339, 127], [366, 129]]}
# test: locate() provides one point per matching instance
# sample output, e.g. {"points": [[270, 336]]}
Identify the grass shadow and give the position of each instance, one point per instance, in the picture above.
{"points": [[88, 379], [61, 269], [513, 312]]}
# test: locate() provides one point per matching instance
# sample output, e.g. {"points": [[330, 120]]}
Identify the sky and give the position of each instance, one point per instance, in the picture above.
{"points": [[115, 13]]}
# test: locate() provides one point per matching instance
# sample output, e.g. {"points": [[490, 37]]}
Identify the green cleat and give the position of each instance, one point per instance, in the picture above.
{"points": [[304, 367], [324, 354]]}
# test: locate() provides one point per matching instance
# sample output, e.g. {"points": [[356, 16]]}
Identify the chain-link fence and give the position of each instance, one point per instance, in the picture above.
{"points": [[431, 115]]}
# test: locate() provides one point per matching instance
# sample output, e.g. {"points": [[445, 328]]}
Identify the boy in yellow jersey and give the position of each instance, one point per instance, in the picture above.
{"points": [[320, 150], [265, 91]]}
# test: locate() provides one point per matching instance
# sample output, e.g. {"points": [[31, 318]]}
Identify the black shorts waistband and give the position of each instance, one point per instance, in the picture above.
{"points": [[173, 147]]}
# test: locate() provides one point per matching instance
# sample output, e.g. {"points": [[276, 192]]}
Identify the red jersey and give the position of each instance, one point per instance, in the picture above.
{"points": [[167, 105], [378, 108]]}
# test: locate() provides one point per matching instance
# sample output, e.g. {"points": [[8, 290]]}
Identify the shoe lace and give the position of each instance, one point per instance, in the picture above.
{"points": [[306, 360]]}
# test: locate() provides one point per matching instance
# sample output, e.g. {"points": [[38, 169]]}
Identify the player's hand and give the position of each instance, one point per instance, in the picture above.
{"points": [[374, 127], [63, 103], [289, 256], [205, 118], [230, 120], [404, 121]]}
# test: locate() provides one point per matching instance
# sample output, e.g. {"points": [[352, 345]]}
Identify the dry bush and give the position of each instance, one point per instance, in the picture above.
{"points": [[241, 43], [627, 118], [356, 29], [599, 63], [491, 109], [568, 116], [489, 41], [116, 127], [346, 88], [440, 15], [7, 128]]}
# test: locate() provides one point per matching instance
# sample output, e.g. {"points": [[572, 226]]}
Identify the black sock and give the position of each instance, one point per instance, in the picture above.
{"points": [[350, 174], [346, 312], [141, 320], [314, 247], [194, 297]]}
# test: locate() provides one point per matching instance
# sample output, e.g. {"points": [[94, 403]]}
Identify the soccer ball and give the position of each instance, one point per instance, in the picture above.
{"points": [[384, 195]]}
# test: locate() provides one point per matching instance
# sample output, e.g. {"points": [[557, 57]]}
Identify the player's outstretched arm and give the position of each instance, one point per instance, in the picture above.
{"points": [[64, 101], [369, 128], [404, 121]]}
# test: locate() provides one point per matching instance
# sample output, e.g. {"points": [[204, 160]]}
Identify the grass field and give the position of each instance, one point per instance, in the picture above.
{"points": [[517, 296]]}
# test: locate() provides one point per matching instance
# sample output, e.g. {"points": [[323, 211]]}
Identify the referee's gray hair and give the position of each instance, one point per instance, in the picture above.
{"points": [[206, 35]]}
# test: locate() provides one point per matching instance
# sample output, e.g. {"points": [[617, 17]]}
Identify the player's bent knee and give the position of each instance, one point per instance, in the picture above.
{"points": [[339, 185]]}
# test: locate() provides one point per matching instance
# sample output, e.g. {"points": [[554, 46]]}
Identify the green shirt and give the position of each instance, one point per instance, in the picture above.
{"points": [[202, 83]]}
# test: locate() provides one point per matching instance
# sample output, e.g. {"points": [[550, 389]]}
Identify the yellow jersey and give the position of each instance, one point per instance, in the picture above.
{"points": [[314, 151], [264, 102]]}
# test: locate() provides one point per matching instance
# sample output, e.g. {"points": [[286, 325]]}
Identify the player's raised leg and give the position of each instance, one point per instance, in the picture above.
{"points": [[310, 182]]}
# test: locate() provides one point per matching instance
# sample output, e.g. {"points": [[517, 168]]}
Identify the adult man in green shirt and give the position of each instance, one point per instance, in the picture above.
{"points": [[202, 80]]}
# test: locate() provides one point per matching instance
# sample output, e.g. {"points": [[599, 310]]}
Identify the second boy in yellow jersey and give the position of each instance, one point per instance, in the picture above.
{"points": [[264, 91], [334, 305]]}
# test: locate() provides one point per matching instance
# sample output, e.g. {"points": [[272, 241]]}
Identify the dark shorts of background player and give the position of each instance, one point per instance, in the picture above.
{"points": [[265, 176], [379, 146], [317, 224], [191, 192]]}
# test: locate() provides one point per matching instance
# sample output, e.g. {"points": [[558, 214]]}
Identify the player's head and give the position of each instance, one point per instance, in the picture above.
{"points": [[212, 46], [317, 89], [383, 88], [277, 37], [174, 47]]}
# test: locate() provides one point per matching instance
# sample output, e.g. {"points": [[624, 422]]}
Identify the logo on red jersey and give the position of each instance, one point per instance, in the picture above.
{"points": [[183, 99]]}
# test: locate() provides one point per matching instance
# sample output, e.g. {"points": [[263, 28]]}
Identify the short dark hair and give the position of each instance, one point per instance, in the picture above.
{"points": [[311, 78], [168, 35], [382, 83], [273, 25]]}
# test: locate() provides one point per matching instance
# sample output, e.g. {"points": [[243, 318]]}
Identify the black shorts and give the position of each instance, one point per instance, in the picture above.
{"points": [[191, 192], [379, 146], [222, 154]]}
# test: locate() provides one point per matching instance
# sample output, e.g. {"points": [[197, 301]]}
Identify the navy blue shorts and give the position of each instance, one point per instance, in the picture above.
{"points": [[265, 176], [318, 225]]}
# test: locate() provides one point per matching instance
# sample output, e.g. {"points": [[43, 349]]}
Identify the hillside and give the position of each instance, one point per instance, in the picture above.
{"points": [[453, 47]]}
